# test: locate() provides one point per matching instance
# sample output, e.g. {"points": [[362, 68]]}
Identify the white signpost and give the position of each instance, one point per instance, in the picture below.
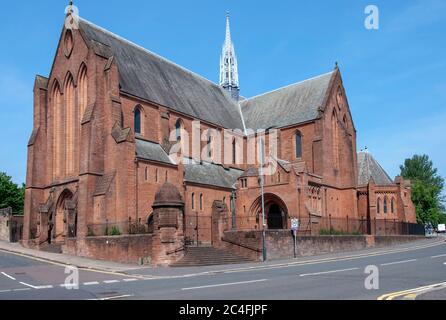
{"points": [[295, 227]]}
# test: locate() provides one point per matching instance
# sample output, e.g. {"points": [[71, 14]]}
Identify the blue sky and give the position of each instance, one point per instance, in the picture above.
{"points": [[394, 76]]}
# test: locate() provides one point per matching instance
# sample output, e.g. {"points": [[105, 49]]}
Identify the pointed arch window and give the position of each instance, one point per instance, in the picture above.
{"points": [[209, 145], [70, 124], [392, 205], [385, 205], [137, 120], [234, 151], [262, 151], [193, 201], [335, 139], [378, 205], [83, 92], [298, 142], [57, 130], [201, 202], [179, 129]]}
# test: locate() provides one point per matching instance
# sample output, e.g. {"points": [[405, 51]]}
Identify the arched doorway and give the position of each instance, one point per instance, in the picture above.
{"points": [[275, 217], [63, 221], [276, 212]]}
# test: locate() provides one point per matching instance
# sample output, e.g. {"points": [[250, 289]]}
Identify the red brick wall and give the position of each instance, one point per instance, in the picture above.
{"points": [[124, 249]]}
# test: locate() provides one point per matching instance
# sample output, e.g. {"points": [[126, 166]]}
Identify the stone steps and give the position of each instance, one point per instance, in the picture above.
{"points": [[208, 256]]}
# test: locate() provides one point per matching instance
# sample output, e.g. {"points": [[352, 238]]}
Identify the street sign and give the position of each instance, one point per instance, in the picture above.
{"points": [[295, 224]]}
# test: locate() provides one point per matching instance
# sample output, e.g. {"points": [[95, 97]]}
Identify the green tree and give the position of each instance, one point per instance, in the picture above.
{"points": [[11, 195], [427, 187]]}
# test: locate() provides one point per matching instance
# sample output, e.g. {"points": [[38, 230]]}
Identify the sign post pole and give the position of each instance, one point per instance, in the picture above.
{"points": [[295, 228]]}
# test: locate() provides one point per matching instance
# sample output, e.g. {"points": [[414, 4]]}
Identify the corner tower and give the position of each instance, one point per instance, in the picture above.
{"points": [[228, 65]]}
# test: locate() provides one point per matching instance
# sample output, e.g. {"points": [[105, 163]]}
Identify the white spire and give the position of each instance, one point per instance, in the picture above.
{"points": [[228, 65]]}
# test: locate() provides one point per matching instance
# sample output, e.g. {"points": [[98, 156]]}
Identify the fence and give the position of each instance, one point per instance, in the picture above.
{"points": [[198, 227], [332, 226], [128, 227]]}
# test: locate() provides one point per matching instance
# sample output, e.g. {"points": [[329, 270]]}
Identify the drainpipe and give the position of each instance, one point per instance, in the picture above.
{"points": [[136, 189]]}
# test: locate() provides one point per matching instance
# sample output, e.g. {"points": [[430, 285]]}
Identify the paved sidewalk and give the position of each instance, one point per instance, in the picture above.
{"points": [[64, 259], [105, 266]]}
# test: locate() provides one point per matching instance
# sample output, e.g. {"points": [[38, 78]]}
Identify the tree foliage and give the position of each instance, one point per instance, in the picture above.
{"points": [[11, 195], [427, 187]]}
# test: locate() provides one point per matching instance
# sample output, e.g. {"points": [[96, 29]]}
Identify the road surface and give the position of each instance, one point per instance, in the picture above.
{"points": [[416, 271]]}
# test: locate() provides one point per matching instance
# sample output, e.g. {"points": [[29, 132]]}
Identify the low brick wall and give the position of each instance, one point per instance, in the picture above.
{"points": [[133, 249], [280, 244], [383, 241], [247, 244]]}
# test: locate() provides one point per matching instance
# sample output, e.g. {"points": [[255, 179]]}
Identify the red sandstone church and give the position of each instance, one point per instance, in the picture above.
{"points": [[101, 149]]}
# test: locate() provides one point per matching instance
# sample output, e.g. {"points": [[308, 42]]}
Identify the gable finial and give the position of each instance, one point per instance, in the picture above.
{"points": [[70, 9], [336, 65]]}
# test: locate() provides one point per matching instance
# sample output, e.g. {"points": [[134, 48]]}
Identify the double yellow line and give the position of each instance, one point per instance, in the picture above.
{"points": [[412, 294]]}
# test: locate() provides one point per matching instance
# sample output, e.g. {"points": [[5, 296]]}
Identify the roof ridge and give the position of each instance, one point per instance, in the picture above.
{"points": [[149, 52], [287, 86]]}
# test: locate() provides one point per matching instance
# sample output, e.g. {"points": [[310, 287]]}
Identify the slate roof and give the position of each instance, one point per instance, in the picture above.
{"points": [[290, 105], [211, 175], [368, 168], [151, 151], [151, 77]]}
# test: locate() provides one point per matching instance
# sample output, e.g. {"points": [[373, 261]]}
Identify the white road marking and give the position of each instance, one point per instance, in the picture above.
{"points": [[111, 281], [112, 298], [44, 287], [326, 272], [224, 284], [397, 262], [23, 289], [91, 283], [439, 256], [28, 285], [69, 285], [2, 291], [130, 280], [7, 275]]}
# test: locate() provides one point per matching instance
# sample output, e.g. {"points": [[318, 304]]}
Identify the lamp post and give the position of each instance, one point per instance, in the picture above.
{"points": [[262, 153]]}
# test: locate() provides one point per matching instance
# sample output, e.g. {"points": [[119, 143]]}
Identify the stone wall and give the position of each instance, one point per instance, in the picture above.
{"points": [[134, 249], [280, 244], [4, 227], [10, 226]]}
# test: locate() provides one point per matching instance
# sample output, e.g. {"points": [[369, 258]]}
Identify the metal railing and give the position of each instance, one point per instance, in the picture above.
{"points": [[128, 227]]}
